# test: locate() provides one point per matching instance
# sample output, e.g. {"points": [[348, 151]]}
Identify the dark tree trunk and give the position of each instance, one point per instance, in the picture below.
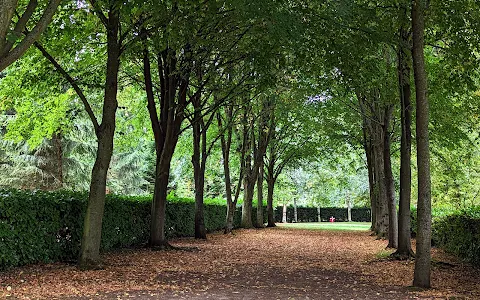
{"points": [[260, 196], [389, 183], [166, 131], [250, 174], [92, 228], [381, 205], [424, 209], [158, 239], [367, 145], [199, 161], [404, 250], [270, 189], [249, 186], [258, 149], [349, 209]]}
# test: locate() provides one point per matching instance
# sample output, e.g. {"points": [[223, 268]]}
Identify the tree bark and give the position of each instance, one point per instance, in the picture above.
{"points": [[349, 209], [7, 8], [92, 228], [367, 145], [158, 239], [270, 190], [389, 183], [166, 130], [381, 205], [198, 162], [260, 196], [424, 213], [225, 142], [249, 186], [404, 250], [295, 215]]}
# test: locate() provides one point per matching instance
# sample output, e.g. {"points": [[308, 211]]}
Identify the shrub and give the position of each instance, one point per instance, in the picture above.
{"points": [[459, 234], [47, 226]]}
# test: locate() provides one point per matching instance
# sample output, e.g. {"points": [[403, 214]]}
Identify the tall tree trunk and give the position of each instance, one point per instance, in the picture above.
{"points": [[367, 146], [260, 196], [270, 190], [349, 209], [284, 213], [199, 176], [92, 227], [225, 143], [389, 183], [158, 239], [404, 249], [198, 161], [250, 174], [295, 214], [249, 186], [381, 205], [424, 209]]}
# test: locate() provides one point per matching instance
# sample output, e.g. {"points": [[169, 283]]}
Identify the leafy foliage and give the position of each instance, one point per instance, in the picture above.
{"points": [[38, 226]]}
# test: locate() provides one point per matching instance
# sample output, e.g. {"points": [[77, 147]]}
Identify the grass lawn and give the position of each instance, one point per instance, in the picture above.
{"points": [[345, 226]]}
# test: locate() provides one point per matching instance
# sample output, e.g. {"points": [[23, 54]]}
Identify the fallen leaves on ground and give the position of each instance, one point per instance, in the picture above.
{"points": [[274, 263]]}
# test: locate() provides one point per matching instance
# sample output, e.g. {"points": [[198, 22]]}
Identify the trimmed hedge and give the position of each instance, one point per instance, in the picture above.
{"points": [[457, 232], [47, 226], [310, 214]]}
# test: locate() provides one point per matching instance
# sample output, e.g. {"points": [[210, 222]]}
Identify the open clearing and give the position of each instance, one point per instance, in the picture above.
{"points": [[275, 263], [361, 226]]}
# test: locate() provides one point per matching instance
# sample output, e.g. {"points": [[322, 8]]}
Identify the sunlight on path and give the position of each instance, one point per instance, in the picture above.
{"points": [[343, 226]]}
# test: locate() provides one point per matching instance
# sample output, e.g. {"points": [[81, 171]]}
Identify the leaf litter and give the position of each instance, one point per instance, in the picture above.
{"points": [[273, 263]]}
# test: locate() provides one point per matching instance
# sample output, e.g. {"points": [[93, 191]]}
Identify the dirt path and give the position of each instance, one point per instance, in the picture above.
{"points": [[253, 264]]}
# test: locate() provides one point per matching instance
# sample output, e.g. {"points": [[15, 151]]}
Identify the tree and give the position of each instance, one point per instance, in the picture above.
{"points": [[424, 213], [12, 46], [404, 249]]}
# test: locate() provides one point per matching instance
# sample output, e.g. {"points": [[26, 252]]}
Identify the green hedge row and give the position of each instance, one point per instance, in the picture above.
{"points": [[456, 232], [47, 226], [310, 214]]}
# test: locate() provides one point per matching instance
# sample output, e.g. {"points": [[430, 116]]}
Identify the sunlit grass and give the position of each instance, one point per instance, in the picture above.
{"points": [[345, 226]]}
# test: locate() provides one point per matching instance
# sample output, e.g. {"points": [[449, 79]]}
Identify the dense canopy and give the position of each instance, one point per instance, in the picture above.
{"points": [[329, 103]]}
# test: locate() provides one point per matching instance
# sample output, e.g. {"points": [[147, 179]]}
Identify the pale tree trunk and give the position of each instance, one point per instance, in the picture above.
{"points": [[260, 196], [318, 214], [424, 209], [389, 183], [295, 215], [349, 209], [404, 250], [92, 228], [284, 217]]}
